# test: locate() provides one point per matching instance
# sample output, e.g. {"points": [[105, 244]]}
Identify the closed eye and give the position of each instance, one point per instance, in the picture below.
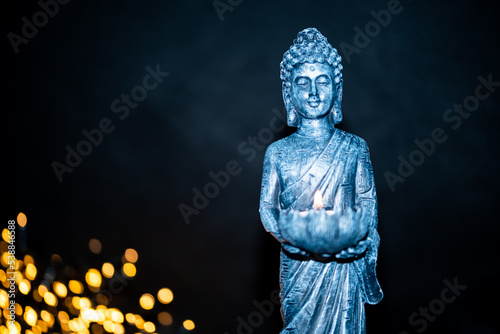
{"points": [[323, 80], [301, 81]]}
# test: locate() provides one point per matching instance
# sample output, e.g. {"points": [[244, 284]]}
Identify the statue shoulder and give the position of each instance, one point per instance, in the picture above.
{"points": [[276, 150], [357, 142]]}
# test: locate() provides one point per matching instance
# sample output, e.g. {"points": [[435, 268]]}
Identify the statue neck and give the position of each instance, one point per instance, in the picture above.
{"points": [[320, 128]]}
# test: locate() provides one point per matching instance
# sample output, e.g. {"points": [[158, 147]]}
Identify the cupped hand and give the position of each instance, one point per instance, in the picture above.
{"points": [[353, 252]]}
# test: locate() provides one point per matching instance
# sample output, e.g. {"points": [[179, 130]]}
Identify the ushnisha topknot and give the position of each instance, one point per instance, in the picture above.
{"points": [[310, 46]]}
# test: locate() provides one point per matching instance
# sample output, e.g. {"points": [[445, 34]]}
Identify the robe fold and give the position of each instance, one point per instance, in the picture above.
{"points": [[322, 295]]}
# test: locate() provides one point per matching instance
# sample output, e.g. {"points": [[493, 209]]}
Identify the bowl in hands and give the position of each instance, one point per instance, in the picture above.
{"points": [[321, 231]]}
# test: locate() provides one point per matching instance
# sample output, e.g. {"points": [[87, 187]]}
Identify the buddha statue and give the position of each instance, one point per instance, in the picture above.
{"points": [[320, 293]]}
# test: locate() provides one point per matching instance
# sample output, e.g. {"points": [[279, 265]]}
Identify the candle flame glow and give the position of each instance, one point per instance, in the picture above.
{"points": [[318, 200]]}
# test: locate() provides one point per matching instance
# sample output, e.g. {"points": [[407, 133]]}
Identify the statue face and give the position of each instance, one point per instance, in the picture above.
{"points": [[313, 90]]}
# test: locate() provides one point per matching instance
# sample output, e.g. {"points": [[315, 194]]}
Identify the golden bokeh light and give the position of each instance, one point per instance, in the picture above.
{"points": [[130, 318], [44, 328], [30, 316], [42, 289], [18, 309], [139, 322], [60, 289], [85, 303], [165, 295], [101, 314], [30, 271], [36, 329], [118, 328], [93, 278], [19, 264], [60, 300], [188, 324], [76, 287], [4, 299], [47, 317], [149, 327], [107, 270], [165, 318], [21, 219], [89, 314], [75, 301], [131, 255], [50, 299], [6, 235], [95, 246], [24, 286], [109, 326], [129, 269], [29, 259], [76, 325], [116, 316], [15, 328], [36, 296], [19, 277], [4, 259], [147, 301], [63, 317]]}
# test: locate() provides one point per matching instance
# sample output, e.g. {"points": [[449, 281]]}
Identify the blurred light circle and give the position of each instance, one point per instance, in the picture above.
{"points": [[21, 219], [75, 286], [147, 301], [50, 298], [149, 327], [108, 270], [165, 295], [188, 324], [131, 255], [93, 278], [129, 269], [165, 318], [95, 246]]}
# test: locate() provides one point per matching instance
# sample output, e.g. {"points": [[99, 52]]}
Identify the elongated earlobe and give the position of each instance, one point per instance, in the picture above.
{"points": [[336, 113], [292, 118]]}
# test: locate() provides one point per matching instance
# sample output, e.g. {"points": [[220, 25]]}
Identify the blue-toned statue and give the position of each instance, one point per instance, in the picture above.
{"points": [[329, 251]]}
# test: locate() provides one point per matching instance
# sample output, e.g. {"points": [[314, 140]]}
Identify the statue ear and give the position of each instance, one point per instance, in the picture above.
{"points": [[336, 113], [292, 118]]}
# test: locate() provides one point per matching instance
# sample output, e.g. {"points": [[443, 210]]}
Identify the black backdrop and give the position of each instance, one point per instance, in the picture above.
{"points": [[223, 84]]}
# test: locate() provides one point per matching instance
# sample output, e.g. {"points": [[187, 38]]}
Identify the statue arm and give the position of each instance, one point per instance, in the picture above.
{"points": [[269, 200], [269, 196], [366, 199]]}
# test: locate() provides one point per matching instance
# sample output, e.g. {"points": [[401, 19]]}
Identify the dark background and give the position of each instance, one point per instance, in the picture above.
{"points": [[223, 84]]}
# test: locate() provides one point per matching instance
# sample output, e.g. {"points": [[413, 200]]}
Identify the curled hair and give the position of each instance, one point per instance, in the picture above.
{"points": [[311, 46]]}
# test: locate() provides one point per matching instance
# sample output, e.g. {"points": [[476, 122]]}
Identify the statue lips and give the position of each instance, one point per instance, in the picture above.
{"points": [[313, 102]]}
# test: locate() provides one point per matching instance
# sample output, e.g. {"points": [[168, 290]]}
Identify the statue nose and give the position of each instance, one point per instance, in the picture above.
{"points": [[313, 91]]}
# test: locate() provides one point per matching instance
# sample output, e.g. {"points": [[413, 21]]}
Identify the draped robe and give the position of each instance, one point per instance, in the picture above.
{"points": [[322, 295]]}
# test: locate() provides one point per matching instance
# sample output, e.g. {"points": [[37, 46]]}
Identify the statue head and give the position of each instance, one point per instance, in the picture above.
{"points": [[313, 65]]}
